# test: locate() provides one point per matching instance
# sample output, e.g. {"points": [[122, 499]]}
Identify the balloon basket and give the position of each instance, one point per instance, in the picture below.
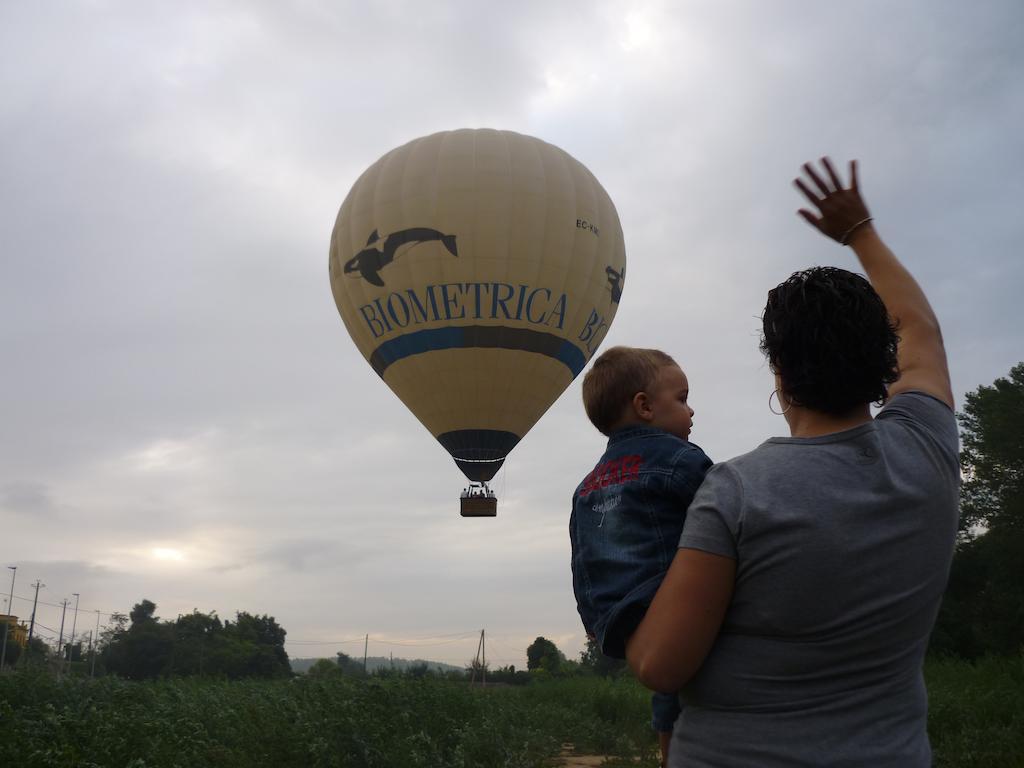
{"points": [[478, 501]]}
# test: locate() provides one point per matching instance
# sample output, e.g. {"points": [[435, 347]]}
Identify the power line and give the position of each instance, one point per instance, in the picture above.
{"points": [[382, 641], [322, 642], [466, 633], [508, 647], [58, 605], [424, 640]]}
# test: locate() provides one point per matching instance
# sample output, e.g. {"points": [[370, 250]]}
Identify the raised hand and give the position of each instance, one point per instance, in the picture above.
{"points": [[841, 212]]}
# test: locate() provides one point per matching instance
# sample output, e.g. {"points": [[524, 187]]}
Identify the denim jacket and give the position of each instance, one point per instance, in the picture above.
{"points": [[627, 516]]}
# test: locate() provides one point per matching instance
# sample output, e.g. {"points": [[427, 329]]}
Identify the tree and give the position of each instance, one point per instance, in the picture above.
{"points": [[983, 609], [146, 647], [196, 639], [35, 652], [193, 644], [350, 666], [324, 668], [595, 662], [250, 646], [142, 612], [992, 431], [13, 649], [72, 653], [111, 649], [117, 626], [542, 654]]}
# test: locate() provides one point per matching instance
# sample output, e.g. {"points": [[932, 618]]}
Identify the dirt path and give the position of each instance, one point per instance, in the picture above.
{"points": [[569, 760]]}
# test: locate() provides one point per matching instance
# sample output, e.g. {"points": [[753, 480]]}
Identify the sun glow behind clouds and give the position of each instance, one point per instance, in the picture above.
{"points": [[638, 31], [167, 554]]}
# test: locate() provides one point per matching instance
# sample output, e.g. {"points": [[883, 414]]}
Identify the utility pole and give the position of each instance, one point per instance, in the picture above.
{"points": [[32, 624], [480, 662], [366, 645], [74, 623], [60, 637], [10, 613], [92, 672]]}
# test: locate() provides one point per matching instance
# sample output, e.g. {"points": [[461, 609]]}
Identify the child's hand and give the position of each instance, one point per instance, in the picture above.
{"points": [[842, 211]]}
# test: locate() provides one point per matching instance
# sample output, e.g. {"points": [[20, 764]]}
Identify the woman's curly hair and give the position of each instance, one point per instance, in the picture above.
{"points": [[828, 335]]}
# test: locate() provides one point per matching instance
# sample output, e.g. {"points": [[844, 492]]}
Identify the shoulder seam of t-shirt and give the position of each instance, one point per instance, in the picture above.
{"points": [[741, 517]]}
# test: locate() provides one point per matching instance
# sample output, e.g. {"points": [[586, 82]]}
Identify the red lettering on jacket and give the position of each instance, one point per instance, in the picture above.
{"points": [[614, 472]]}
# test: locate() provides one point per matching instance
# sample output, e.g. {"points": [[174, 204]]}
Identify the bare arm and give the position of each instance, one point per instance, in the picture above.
{"points": [[844, 217], [680, 627]]}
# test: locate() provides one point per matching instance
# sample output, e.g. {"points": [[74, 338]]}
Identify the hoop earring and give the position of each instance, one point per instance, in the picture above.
{"points": [[784, 411]]}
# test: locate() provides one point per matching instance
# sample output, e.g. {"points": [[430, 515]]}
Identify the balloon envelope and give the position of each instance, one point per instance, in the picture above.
{"points": [[477, 271]]}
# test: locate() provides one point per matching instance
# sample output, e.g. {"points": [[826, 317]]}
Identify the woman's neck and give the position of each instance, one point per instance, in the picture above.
{"points": [[804, 422]]}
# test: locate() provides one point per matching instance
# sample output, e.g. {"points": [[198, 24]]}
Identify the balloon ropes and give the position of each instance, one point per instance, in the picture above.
{"points": [[477, 271]]}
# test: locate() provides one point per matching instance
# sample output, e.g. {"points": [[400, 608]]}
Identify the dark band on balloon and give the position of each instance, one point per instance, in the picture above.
{"points": [[480, 337], [479, 453]]}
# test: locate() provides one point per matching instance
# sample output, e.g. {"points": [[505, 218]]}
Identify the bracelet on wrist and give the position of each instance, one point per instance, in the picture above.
{"points": [[845, 237]]}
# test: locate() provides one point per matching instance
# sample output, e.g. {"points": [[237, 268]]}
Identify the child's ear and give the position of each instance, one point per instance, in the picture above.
{"points": [[642, 406]]}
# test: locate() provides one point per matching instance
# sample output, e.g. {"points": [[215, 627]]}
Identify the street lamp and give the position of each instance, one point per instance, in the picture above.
{"points": [[7, 629]]}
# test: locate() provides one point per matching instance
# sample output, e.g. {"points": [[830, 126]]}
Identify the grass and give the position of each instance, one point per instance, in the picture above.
{"points": [[334, 721], [976, 712], [976, 719]]}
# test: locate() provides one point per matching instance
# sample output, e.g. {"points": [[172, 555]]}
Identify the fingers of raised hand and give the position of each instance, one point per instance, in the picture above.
{"points": [[809, 170], [811, 219], [833, 176], [811, 197]]}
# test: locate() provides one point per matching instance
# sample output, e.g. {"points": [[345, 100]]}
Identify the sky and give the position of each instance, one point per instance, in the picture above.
{"points": [[183, 417]]}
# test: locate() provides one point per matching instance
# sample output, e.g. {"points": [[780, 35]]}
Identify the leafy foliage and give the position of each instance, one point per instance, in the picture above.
{"points": [[193, 644], [350, 666], [983, 608], [592, 660], [317, 720], [35, 652], [542, 654], [976, 712], [976, 720], [992, 431]]}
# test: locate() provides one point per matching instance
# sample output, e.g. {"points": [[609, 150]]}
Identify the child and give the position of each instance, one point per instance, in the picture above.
{"points": [[627, 514]]}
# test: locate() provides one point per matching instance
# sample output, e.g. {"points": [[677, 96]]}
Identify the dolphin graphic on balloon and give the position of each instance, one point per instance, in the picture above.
{"points": [[486, 297], [369, 261]]}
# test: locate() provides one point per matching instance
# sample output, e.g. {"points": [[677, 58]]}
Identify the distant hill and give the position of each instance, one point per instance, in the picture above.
{"points": [[301, 666]]}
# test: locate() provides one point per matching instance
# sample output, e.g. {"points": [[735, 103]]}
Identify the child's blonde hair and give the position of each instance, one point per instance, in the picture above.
{"points": [[615, 377]]}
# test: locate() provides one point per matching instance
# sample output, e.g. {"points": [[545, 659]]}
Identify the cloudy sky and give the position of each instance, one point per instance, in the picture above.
{"points": [[184, 417]]}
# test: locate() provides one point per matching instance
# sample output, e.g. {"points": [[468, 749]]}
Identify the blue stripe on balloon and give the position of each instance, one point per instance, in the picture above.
{"points": [[479, 337]]}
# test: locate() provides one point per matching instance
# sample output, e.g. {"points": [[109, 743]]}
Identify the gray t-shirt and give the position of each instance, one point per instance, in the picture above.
{"points": [[843, 545]]}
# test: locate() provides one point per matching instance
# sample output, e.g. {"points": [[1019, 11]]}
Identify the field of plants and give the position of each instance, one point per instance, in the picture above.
{"points": [[977, 716]]}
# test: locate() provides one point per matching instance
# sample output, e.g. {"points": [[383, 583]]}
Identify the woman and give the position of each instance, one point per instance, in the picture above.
{"points": [[796, 613]]}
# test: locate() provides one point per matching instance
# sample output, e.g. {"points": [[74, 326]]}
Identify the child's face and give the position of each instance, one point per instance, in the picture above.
{"points": [[668, 405]]}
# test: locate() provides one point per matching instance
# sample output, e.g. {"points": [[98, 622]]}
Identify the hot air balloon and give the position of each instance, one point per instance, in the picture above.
{"points": [[477, 271]]}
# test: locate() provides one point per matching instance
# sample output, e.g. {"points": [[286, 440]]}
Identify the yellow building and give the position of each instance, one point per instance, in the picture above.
{"points": [[19, 632]]}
